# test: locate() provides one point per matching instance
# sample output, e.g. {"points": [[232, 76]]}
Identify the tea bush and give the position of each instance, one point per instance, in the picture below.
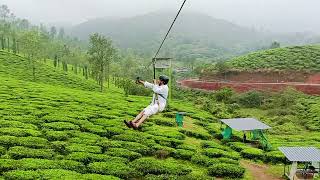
{"points": [[19, 132], [16, 124], [253, 153], [87, 158], [112, 168], [61, 126], [34, 164], [226, 170], [274, 157], [83, 148], [199, 135], [120, 152], [212, 144], [19, 152], [54, 174], [203, 160], [157, 167], [183, 154], [2, 150], [33, 142], [57, 135], [217, 153]]}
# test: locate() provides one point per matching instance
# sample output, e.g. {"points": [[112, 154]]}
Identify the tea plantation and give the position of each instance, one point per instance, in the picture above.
{"points": [[60, 127], [288, 58]]}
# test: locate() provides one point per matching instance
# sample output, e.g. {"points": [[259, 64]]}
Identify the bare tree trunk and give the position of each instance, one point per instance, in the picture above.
{"points": [[108, 75], [8, 44], [101, 77]]}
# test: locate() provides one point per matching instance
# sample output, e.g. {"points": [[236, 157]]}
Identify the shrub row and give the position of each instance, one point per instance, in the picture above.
{"points": [[83, 148], [226, 170], [257, 154], [2, 150], [118, 169], [57, 135], [16, 124], [183, 154], [34, 164], [19, 152], [207, 161], [33, 142], [120, 152], [212, 144], [194, 134], [54, 174], [158, 167], [217, 153], [20, 132], [167, 134], [175, 177], [165, 122], [87, 158], [60, 126], [170, 142]]}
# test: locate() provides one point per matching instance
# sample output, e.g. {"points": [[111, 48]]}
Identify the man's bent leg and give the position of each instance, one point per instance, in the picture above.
{"points": [[143, 118], [138, 117]]}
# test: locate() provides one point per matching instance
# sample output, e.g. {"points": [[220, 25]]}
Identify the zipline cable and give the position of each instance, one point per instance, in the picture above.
{"points": [[164, 39]]}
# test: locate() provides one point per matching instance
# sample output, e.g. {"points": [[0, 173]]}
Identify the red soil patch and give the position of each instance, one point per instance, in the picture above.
{"points": [[308, 88]]}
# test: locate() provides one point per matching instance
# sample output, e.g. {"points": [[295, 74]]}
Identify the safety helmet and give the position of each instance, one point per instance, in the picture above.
{"points": [[164, 78]]}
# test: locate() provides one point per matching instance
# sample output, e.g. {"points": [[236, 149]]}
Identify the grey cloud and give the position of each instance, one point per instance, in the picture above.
{"points": [[275, 15]]}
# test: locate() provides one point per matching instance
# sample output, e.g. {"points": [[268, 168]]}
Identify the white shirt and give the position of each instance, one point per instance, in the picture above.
{"points": [[163, 90]]}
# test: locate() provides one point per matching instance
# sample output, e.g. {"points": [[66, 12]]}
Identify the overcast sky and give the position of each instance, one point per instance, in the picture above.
{"points": [[274, 15]]}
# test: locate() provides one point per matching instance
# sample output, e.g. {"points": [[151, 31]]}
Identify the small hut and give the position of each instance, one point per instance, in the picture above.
{"points": [[305, 162], [251, 125]]}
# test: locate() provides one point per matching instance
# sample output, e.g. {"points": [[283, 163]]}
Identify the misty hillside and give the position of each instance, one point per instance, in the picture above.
{"points": [[194, 35]]}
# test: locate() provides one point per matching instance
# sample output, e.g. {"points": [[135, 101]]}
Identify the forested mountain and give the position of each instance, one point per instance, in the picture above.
{"points": [[195, 36]]}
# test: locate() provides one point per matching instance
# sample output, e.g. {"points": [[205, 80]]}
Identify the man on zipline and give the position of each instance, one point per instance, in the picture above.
{"points": [[158, 103]]}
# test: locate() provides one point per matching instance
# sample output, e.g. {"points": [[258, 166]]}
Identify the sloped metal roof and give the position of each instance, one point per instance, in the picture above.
{"points": [[245, 124], [301, 154]]}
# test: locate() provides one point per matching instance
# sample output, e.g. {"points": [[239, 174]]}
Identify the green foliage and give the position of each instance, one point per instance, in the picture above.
{"points": [[183, 154], [61, 126], [251, 99], [252, 153], [217, 153], [101, 53], [237, 146], [19, 152], [120, 152], [118, 169], [2, 150], [157, 167], [274, 157], [83, 148], [288, 58], [203, 160], [57, 135], [33, 142], [226, 170], [19, 132], [54, 174], [34, 164], [88, 158], [224, 95], [198, 135]]}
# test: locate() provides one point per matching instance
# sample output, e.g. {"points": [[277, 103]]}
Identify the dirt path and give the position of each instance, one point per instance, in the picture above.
{"points": [[258, 172]]}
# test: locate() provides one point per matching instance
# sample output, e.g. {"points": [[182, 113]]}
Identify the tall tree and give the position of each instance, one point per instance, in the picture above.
{"points": [[53, 32], [101, 52], [30, 44], [61, 33]]}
